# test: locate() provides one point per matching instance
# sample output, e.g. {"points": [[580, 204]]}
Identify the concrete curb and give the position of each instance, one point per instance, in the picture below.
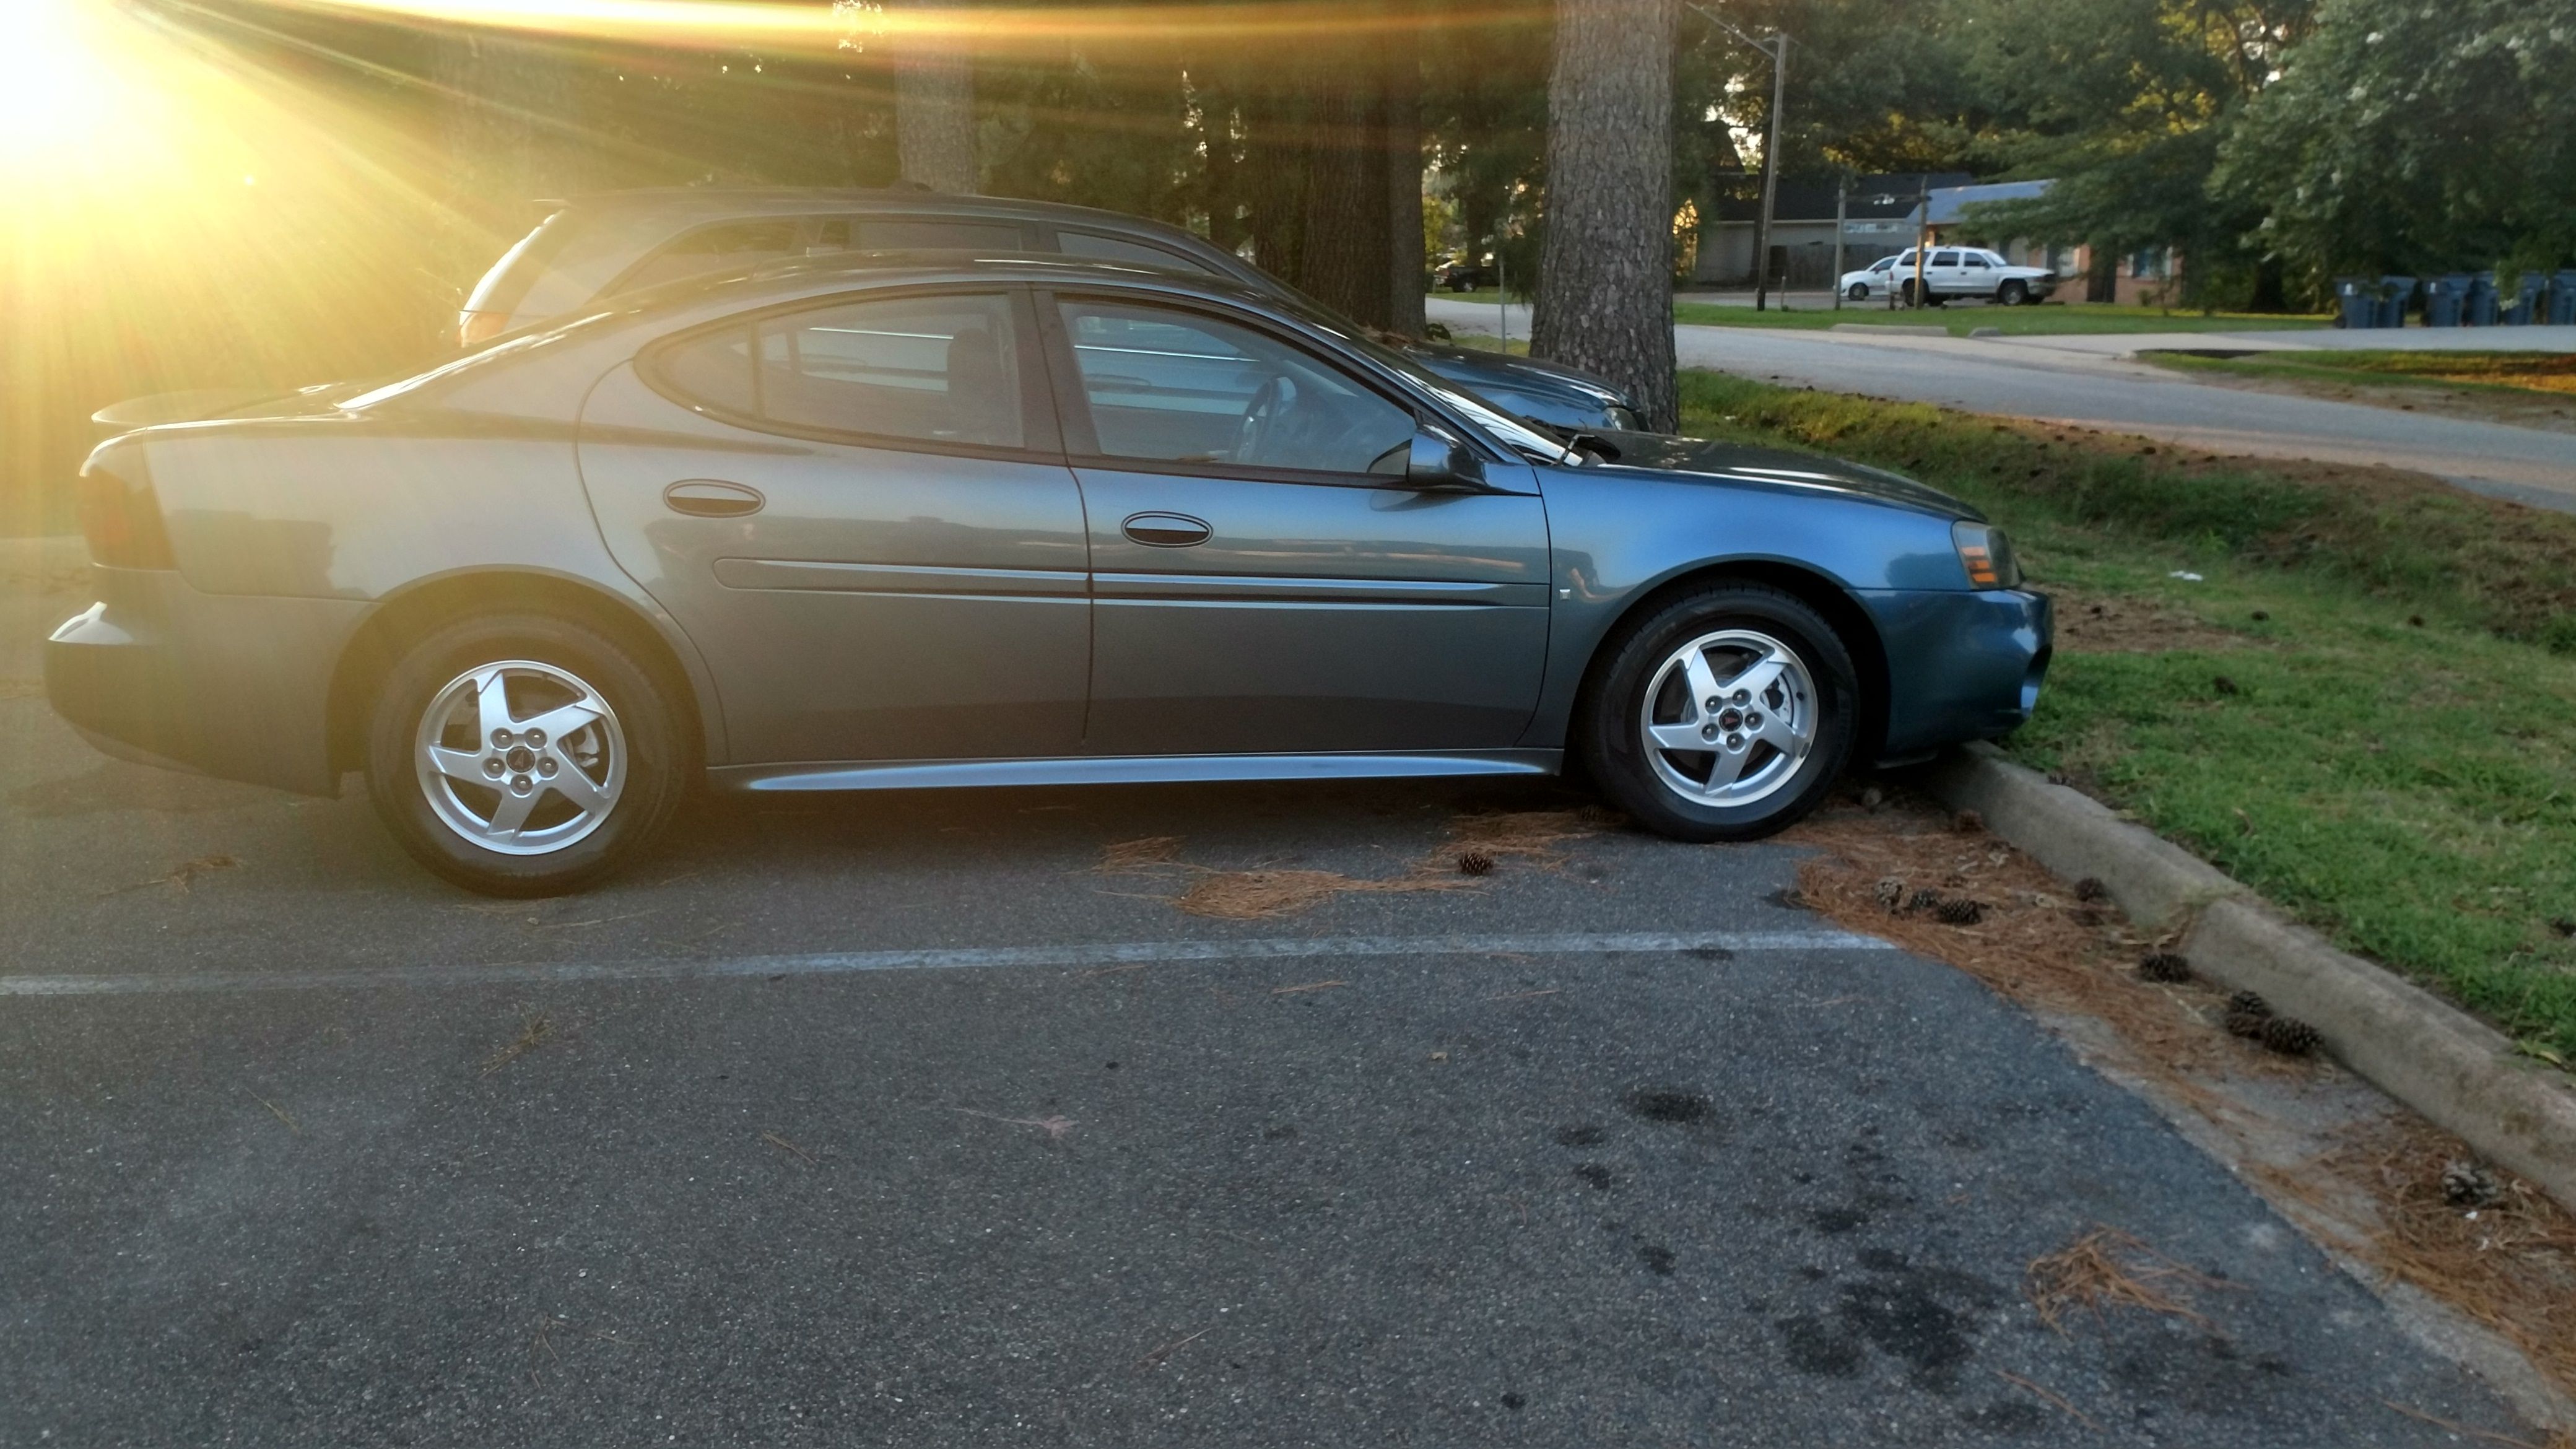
{"points": [[2460, 1073]]}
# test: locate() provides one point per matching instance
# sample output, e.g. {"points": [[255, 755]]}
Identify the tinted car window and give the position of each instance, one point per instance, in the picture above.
{"points": [[1118, 249], [1976, 260], [933, 369], [712, 249], [1945, 259], [937, 233], [1182, 387]]}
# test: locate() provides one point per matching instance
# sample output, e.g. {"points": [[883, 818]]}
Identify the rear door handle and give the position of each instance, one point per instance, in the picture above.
{"points": [[712, 498], [1166, 530]]}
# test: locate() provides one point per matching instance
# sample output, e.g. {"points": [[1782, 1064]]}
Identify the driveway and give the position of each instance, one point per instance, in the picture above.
{"points": [[2090, 382], [900, 1120]]}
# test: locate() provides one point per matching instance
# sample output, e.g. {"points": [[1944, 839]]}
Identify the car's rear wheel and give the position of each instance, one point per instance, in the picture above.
{"points": [[2013, 293], [522, 755], [1726, 714]]}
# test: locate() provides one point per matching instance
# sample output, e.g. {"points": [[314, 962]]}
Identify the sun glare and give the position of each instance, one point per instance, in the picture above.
{"points": [[54, 92]]}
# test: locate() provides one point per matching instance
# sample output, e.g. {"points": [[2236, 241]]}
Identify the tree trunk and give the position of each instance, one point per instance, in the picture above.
{"points": [[1274, 165], [1404, 183], [2102, 275], [934, 114], [1605, 293], [1343, 256], [1227, 226], [506, 111]]}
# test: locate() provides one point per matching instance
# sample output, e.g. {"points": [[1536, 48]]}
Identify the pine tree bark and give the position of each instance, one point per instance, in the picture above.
{"points": [[1343, 255], [1605, 300], [934, 114], [1404, 184], [506, 113]]}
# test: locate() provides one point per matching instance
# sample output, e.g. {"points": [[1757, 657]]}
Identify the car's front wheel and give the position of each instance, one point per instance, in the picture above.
{"points": [[2013, 293], [522, 755], [1726, 714], [1859, 292]]}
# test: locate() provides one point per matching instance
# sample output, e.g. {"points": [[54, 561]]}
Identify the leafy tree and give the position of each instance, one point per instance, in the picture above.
{"points": [[2410, 137]]}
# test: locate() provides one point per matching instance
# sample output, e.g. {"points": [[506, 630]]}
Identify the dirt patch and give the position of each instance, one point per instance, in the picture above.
{"points": [[1465, 862], [2130, 624], [2402, 1198]]}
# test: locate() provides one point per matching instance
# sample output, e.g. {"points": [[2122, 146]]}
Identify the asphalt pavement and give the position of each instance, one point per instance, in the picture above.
{"points": [[2093, 381], [898, 1120]]}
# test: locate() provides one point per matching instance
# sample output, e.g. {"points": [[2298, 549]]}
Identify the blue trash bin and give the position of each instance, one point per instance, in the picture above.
{"points": [[2530, 301], [2356, 302], [2483, 306], [2445, 300], [2562, 300], [2395, 293]]}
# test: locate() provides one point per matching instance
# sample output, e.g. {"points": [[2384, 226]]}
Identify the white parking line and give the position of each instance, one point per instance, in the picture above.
{"points": [[1116, 953]]}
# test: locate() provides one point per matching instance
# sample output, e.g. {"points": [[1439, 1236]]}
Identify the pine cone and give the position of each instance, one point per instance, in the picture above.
{"points": [[1962, 912], [1967, 822], [2247, 1024], [1891, 893], [2091, 889], [2467, 1185], [1923, 899], [1475, 862], [2164, 966], [2289, 1036], [2249, 1003]]}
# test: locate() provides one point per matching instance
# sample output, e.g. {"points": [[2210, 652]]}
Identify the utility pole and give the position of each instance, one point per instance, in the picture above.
{"points": [[1842, 208], [1777, 48]]}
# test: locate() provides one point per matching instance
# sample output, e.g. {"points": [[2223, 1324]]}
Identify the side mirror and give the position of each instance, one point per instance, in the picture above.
{"points": [[1441, 462]]}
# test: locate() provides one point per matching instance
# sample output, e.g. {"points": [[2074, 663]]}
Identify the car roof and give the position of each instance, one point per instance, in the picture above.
{"points": [[813, 276]]}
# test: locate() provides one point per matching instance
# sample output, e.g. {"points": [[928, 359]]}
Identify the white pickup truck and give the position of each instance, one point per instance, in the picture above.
{"points": [[1951, 273]]}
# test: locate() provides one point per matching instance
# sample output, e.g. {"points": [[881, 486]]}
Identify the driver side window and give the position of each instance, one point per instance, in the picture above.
{"points": [[1170, 386]]}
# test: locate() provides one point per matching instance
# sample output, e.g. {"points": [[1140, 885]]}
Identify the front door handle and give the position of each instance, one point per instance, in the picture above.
{"points": [[712, 498], [1166, 530]]}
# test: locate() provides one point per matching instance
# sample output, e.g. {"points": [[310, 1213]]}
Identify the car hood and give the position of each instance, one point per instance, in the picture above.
{"points": [[1695, 460], [1521, 371]]}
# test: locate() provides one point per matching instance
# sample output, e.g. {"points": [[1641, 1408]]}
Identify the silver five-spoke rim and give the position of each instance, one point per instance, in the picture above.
{"points": [[1729, 718], [520, 758]]}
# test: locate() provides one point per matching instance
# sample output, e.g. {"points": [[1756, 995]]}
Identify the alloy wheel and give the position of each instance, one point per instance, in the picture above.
{"points": [[520, 758], [1729, 718]]}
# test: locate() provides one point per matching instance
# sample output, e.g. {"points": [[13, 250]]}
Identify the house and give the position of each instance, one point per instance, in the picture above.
{"points": [[1883, 215], [2144, 278], [1877, 221]]}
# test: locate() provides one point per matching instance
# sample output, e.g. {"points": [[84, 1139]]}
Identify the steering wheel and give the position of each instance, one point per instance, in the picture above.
{"points": [[1261, 417]]}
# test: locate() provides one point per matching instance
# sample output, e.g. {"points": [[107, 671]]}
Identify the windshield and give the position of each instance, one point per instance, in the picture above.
{"points": [[1509, 431]]}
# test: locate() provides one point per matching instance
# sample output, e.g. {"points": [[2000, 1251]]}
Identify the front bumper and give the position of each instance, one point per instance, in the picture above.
{"points": [[1961, 666], [231, 685]]}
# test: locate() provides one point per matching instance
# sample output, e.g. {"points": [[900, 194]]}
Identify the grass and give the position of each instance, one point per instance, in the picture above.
{"points": [[2392, 753], [2048, 319], [2517, 372]]}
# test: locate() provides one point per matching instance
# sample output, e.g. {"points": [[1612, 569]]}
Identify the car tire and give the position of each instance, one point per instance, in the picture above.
{"points": [[2014, 293], [1786, 742], [531, 813], [1859, 292]]}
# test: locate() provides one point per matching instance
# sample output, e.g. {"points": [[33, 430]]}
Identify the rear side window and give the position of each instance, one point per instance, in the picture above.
{"points": [[1119, 249], [925, 233], [1945, 259], [714, 249], [929, 369]]}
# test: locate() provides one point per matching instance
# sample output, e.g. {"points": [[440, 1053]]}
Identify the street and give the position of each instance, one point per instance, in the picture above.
{"points": [[2088, 382], [935, 1120]]}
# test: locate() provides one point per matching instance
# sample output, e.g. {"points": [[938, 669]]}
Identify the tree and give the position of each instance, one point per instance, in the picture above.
{"points": [[1605, 268], [934, 109], [2413, 139]]}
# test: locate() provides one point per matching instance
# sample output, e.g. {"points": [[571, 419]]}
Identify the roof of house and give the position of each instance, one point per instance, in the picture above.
{"points": [[1811, 198], [1950, 202]]}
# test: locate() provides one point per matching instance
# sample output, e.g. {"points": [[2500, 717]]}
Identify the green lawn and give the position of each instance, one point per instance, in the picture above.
{"points": [[2049, 319], [2396, 759], [2518, 372], [2052, 318]]}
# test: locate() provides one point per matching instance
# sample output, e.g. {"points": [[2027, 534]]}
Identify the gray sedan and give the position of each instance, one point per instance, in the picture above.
{"points": [[1008, 521]]}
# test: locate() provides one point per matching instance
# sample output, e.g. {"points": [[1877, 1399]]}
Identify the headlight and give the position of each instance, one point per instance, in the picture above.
{"points": [[1987, 556]]}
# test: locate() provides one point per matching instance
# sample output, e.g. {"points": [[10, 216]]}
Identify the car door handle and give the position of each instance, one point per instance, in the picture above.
{"points": [[1166, 530], [712, 498]]}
